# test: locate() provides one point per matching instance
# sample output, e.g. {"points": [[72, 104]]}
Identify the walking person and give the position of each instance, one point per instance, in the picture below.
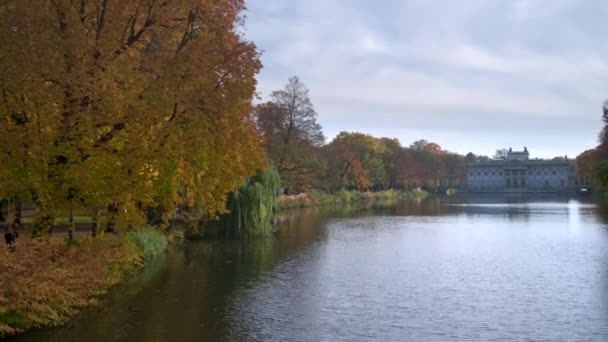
{"points": [[10, 235]]}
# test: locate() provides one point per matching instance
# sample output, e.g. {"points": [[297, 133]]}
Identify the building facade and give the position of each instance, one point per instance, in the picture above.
{"points": [[518, 173]]}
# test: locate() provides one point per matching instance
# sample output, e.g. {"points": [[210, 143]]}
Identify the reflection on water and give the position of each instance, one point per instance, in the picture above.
{"points": [[473, 269]]}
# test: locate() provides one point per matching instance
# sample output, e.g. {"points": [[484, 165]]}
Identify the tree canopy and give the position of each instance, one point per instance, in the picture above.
{"points": [[501, 153], [126, 105], [592, 163], [291, 134]]}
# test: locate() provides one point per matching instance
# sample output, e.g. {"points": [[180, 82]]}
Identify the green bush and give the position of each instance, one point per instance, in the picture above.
{"points": [[387, 196], [409, 195], [149, 240], [347, 197], [252, 206], [342, 198]]}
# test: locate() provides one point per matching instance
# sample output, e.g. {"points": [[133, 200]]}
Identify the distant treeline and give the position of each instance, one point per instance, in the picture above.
{"points": [[295, 143]]}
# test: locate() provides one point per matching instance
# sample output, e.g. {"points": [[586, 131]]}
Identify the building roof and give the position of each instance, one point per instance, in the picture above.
{"points": [[520, 158]]}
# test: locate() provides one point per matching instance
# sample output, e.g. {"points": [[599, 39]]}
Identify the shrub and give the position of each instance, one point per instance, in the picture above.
{"points": [[176, 235], [347, 197], [150, 241]]}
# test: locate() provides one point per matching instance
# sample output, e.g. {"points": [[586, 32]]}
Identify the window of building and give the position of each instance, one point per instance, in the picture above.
{"points": [[554, 172]]}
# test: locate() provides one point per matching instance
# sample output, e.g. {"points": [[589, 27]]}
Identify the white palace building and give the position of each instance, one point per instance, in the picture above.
{"points": [[518, 173]]}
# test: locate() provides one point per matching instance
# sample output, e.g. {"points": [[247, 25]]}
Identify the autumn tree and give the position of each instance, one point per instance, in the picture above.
{"points": [[591, 164], [360, 161], [291, 134], [603, 136], [434, 158], [454, 164], [345, 169], [126, 105], [391, 161], [584, 162], [600, 173]]}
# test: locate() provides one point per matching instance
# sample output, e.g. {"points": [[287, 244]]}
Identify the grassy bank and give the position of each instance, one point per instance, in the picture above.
{"points": [[346, 198], [45, 282]]}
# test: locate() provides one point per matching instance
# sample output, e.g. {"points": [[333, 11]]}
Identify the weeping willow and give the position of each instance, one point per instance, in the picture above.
{"points": [[252, 206]]}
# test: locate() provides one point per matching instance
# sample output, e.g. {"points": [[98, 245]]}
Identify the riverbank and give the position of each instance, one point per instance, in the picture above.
{"points": [[47, 281], [346, 198]]}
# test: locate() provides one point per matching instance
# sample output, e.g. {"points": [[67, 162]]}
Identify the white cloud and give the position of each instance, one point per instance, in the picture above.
{"points": [[486, 58]]}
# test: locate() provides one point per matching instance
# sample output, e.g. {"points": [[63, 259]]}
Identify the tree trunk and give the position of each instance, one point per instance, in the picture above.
{"points": [[17, 218], [72, 225], [43, 225], [44, 220], [95, 223], [112, 211]]}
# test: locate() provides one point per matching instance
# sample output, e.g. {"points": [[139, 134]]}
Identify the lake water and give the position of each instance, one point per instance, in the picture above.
{"points": [[474, 269]]}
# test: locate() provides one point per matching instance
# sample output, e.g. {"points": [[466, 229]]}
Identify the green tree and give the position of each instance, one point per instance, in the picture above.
{"points": [[501, 153], [603, 136], [600, 173], [252, 206]]}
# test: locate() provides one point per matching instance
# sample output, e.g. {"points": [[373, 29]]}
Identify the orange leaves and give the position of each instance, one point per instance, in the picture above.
{"points": [[433, 148], [585, 162], [129, 90], [46, 281]]}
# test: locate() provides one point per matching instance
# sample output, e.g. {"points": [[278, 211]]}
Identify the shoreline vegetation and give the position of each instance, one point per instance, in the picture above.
{"points": [[346, 198], [47, 281]]}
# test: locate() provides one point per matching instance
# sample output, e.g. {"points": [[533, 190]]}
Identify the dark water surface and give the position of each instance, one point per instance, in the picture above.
{"points": [[464, 270]]}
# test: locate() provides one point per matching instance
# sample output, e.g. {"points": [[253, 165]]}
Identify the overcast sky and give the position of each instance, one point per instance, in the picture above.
{"points": [[470, 75]]}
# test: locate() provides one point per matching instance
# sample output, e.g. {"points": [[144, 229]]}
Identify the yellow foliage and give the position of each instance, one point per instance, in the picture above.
{"points": [[46, 281], [126, 118]]}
